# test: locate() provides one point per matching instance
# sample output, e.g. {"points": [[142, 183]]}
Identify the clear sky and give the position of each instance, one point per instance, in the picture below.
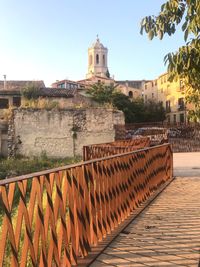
{"points": [[48, 39]]}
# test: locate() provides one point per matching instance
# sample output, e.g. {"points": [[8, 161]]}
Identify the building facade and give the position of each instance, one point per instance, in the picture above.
{"points": [[171, 95]]}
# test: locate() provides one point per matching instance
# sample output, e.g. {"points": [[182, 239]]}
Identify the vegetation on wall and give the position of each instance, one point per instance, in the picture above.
{"points": [[184, 63], [31, 98], [134, 110], [40, 103]]}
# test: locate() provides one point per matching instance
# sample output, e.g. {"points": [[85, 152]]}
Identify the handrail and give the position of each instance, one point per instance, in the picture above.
{"points": [[55, 217], [40, 173]]}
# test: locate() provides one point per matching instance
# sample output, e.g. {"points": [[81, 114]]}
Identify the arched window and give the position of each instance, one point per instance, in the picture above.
{"points": [[104, 62], [90, 60], [97, 58], [130, 94]]}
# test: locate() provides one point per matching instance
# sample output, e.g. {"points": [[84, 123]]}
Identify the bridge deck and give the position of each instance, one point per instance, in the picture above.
{"points": [[167, 233]]}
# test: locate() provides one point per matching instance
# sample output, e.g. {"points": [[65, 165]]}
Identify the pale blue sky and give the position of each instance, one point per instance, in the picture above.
{"points": [[48, 39]]}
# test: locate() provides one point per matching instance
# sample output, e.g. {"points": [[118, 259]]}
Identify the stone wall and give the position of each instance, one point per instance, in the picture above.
{"points": [[60, 133]]}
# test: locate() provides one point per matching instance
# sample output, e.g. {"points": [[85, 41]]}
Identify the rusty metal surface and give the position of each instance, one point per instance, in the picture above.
{"points": [[55, 217], [107, 149]]}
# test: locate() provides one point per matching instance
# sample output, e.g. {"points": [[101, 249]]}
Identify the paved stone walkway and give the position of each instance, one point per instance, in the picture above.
{"points": [[187, 164], [167, 233]]}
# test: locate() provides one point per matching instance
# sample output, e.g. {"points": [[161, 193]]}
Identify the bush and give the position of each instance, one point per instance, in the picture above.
{"points": [[30, 91]]}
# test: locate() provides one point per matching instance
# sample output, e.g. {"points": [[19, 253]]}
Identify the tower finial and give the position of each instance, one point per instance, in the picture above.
{"points": [[97, 38]]}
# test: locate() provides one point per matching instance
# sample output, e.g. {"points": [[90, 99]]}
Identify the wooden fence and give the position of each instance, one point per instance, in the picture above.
{"points": [[107, 149], [54, 217]]}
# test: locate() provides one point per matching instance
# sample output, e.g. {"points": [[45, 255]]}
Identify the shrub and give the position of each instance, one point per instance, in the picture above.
{"points": [[30, 91]]}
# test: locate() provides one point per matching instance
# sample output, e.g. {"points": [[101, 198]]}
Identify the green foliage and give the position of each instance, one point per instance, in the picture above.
{"points": [[185, 63], [18, 166], [30, 91], [134, 110], [101, 93], [193, 97]]}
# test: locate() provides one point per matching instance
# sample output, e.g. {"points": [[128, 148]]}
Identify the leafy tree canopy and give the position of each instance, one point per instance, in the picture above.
{"points": [[101, 93], [134, 110], [185, 63], [30, 91]]}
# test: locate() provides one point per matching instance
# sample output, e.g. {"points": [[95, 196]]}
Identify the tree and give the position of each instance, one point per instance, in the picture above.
{"points": [[30, 91], [134, 110], [101, 93], [185, 63]]}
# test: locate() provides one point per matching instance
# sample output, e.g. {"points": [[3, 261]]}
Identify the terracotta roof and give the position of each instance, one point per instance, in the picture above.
{"points": [[57, 92], [44, 92], [18, 85], [93, 78]]}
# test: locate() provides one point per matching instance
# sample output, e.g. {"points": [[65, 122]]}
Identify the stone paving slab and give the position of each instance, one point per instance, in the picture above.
{"points": [[186, 164], [167, 233]]}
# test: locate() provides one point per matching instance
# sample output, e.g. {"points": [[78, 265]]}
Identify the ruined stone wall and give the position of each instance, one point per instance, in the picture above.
{"points": [[60, 133]]}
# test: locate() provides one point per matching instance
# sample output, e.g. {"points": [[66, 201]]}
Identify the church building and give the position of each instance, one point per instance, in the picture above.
{"points": [[97, 60]]}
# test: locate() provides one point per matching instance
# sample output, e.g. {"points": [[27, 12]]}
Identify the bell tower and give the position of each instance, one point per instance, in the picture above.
{"points": [[97, 60]]}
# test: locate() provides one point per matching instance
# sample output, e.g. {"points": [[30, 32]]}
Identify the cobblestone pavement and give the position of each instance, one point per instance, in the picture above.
{"points": [[167, 233]]}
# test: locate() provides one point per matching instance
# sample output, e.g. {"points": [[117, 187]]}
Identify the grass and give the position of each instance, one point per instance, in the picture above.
{"points": [[19, 166]]}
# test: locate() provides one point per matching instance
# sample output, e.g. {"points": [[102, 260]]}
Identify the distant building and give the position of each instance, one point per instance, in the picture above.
{"points": [[132, 88], [67, 84], [171, 95], [97, 60], [98, 72], [96, 79], [10, 92], [11, 95]]}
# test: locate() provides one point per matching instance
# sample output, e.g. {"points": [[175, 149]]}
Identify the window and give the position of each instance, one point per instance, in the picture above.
{"points": [[155, 83], [17, 101], [181, 118], [145, 86], [130, 94], [145, 97], [181, 105], [168, 108], [174, 118], [168, 119], [152, 95], [61, 85], [4, 103], [104, 62], [97, 58]]}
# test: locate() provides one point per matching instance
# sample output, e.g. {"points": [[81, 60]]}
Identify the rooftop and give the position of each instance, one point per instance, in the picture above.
{"points": [[18, 85]]}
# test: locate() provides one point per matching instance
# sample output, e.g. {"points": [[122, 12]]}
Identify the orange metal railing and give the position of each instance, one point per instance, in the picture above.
{"points": [[107, 149], [52, 218]]}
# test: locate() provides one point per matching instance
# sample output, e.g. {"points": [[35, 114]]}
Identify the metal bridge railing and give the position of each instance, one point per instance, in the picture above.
{"points": [[53, 217], [107, 149]]}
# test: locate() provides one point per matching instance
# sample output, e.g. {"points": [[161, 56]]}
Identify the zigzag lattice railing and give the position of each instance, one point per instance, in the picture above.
{"points": [[117, 147], [52, 218]]}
